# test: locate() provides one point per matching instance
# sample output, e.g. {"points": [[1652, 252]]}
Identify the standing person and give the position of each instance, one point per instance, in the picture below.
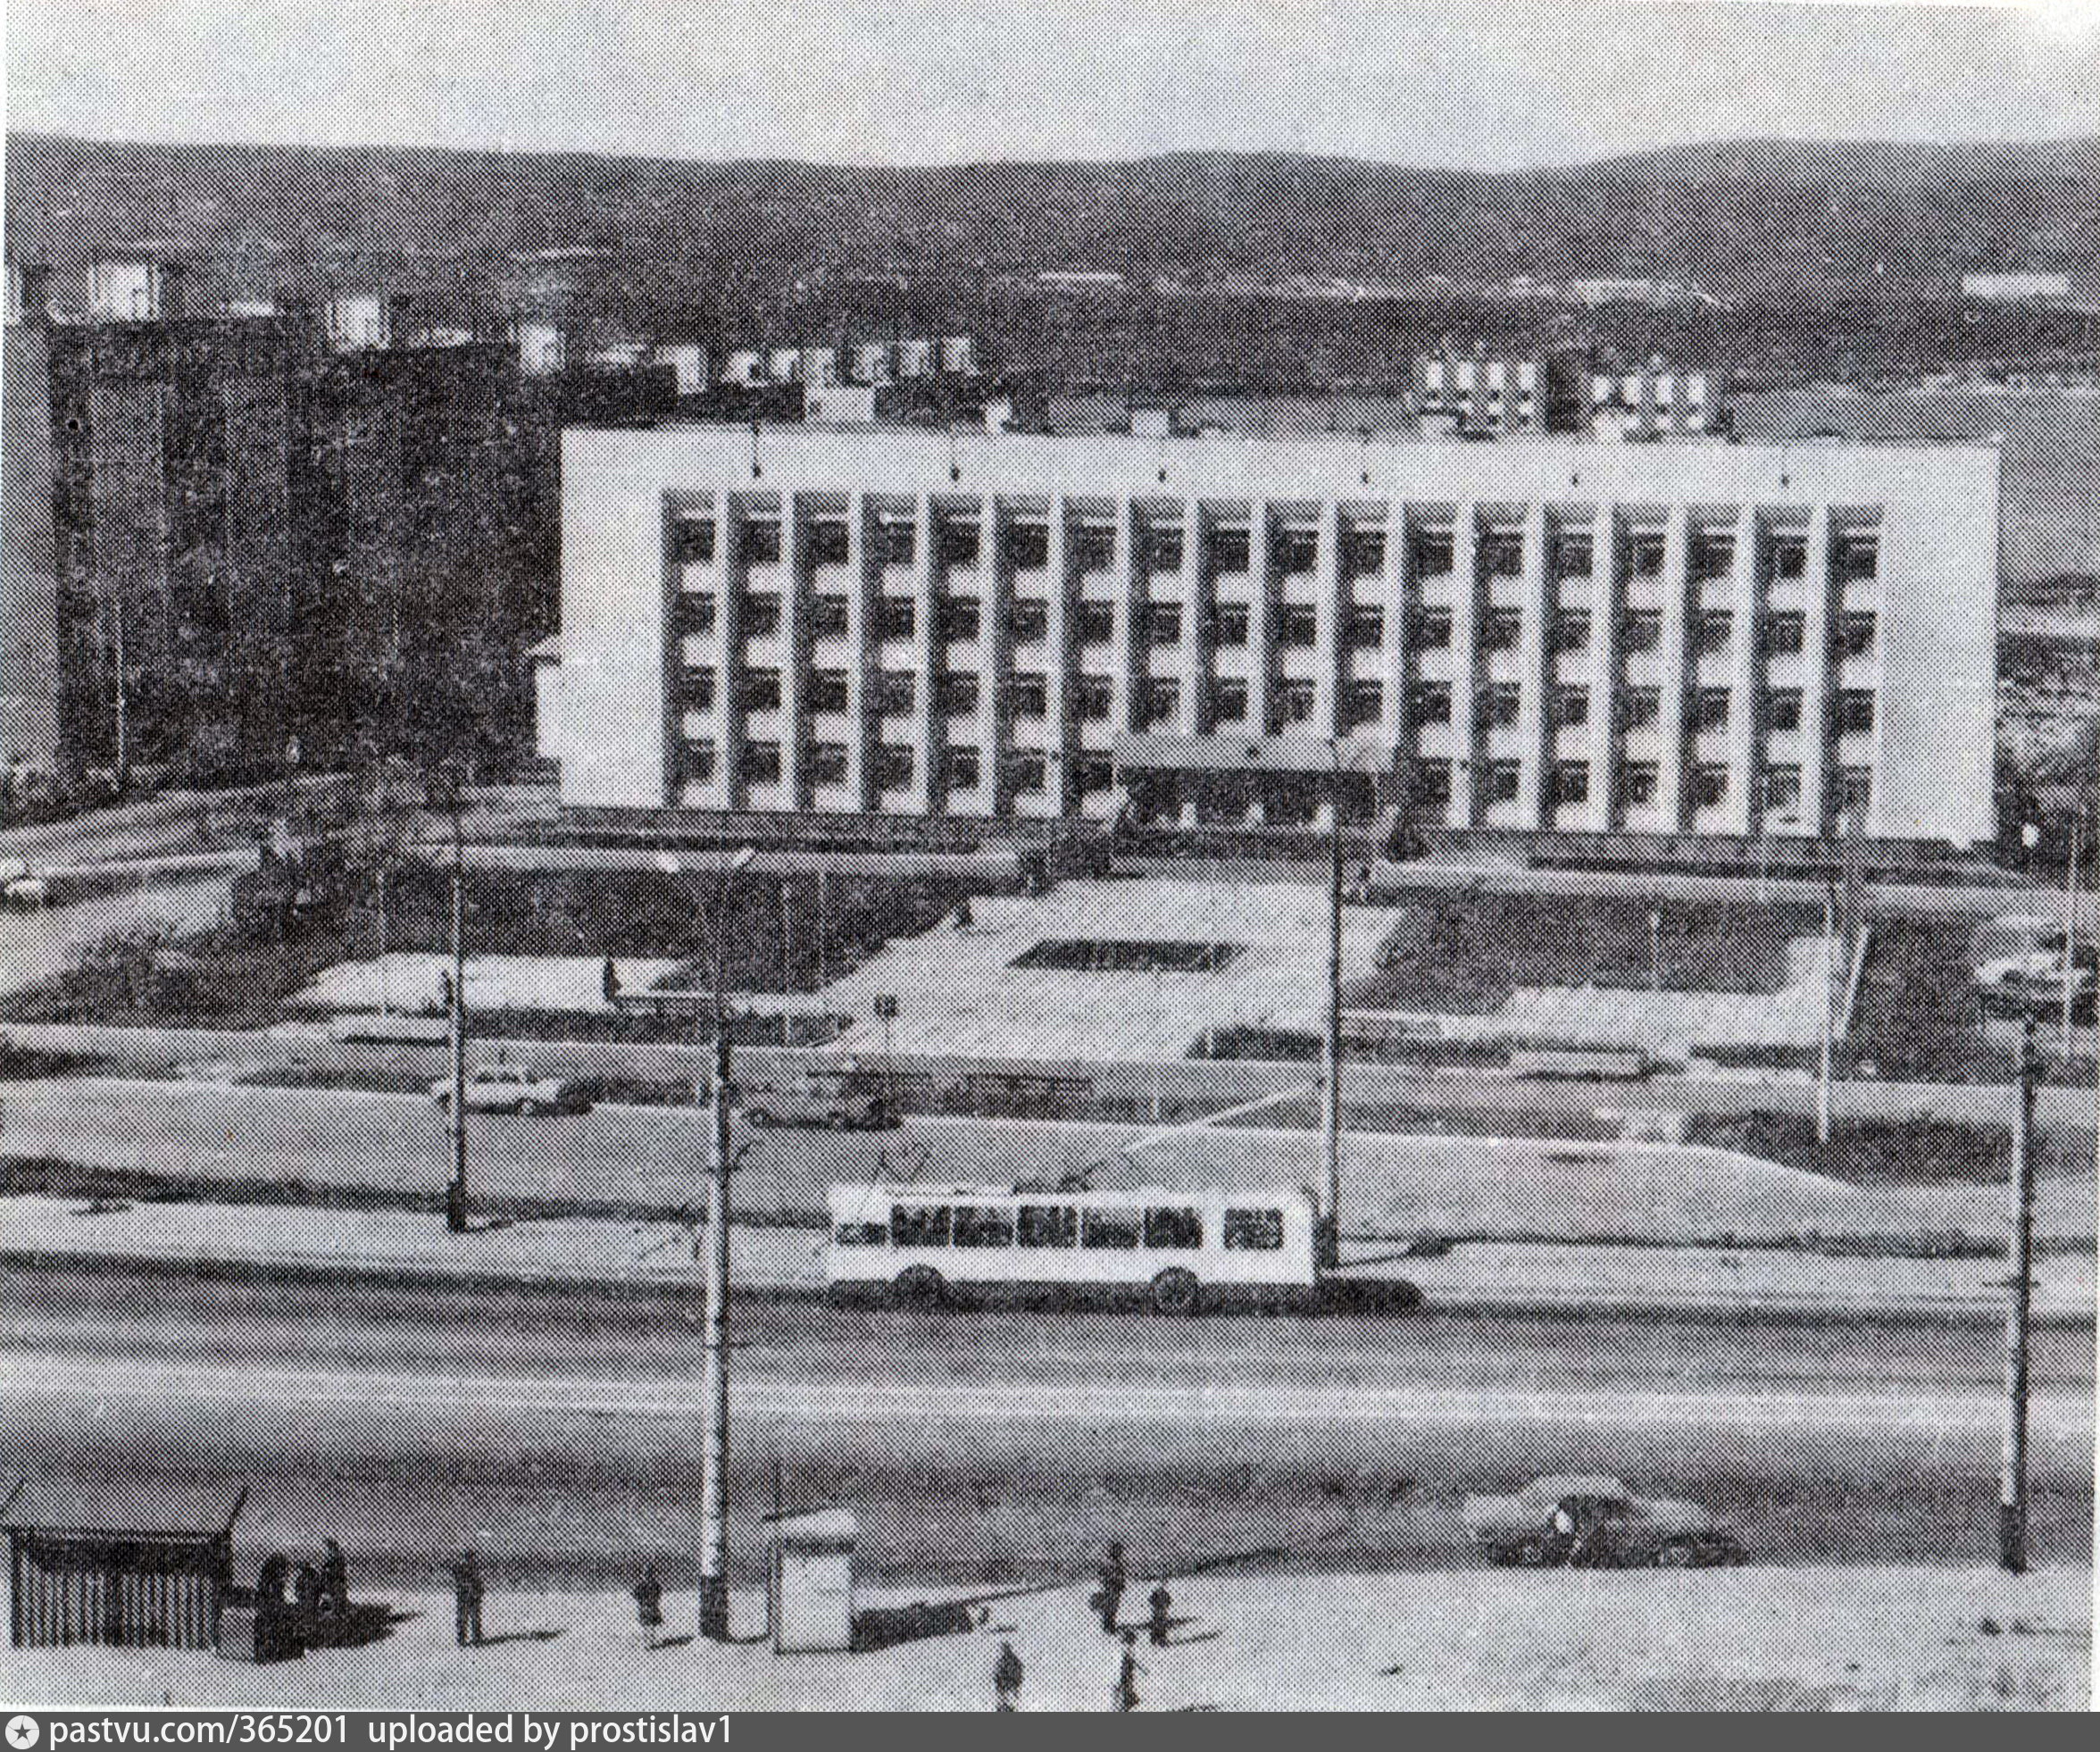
{"points": [[1007, 1673], [1125, 1695], [467, 1590], [306, 1592], [1108, 1593], [648, 1598], [335, 1578], [611, 981], [1162, 1604]]}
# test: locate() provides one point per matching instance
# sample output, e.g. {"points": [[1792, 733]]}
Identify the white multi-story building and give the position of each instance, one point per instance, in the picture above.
{"points": [[1541, 633]]}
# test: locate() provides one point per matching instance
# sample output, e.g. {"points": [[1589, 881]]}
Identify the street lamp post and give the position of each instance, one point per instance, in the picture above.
{"points": [[714, 1458], [1331, 1055], [448, 793]]}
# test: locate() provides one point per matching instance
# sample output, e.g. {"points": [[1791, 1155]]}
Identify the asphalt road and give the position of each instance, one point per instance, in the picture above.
{"points": [[653, 1158], [560, 1430]]}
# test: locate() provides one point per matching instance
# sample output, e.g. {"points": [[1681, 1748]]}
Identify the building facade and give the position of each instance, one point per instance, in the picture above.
{"points": [[1475, 394], [1534, 634], [28, 545]]}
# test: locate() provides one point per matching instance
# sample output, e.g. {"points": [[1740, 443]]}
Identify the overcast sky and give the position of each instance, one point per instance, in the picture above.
{"points": [[1491, 85]]}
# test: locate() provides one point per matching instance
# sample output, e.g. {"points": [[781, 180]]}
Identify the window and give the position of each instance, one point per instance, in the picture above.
{"points": [[1118, 1230], [700, 688], [1501, 554], [1229, 702], [897, 690], [827, 764], [1640, 708], [1713, 556], [1028, 621], [1499, 704], [700, 759], [692, 541], [1159, 547], [1230, 626], [760, 543], [1364, 629], [1031, 695], [1574, 555], [1294, 703], [1785, 632], [1172, 1226], [1717, 628], [761, 762], [1571, 630], [961, 770], [1642, 630], [1363, 702], [896, 541], [1712, 708], [1787, 557], [1855, 790], [1431, 702], [1856, 558], [1161, 699], [1571, 783], [1502, 630], [1784, 708], [1094, 546], [1782, 790], [1363, 552], [958, 543], [827, 544], [861, 1235], [1229, 551], [1432, 784], [1092, 773], [1855, 633], [1709, 786], [919, 1225], [983, 1226], [1029, 769], [958, 693], [1096, 697], [1294, 550], [761, 616], [894, 767], [1162, 623], [1433, 553], [1254, 1231], [827, 616], [1640, 783], [1432, 628], [1049, 1226], [1298, 624], [1504, 778], [1027, 545], [1097, 622], [959, 617], [762, 690], [1570, 708], [1644, 553], [697, 614], [897, 617], [1855, 711], [828, 691]]}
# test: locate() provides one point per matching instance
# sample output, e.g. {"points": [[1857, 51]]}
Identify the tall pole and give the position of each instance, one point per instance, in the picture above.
{"points": [[714, 1460], [1331, 1058], [2071, 876], [2012, 1479], [456, 1193], [1830, 980]]}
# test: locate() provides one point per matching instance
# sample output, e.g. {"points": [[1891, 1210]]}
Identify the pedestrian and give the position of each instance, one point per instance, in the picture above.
{"points": [[648, 1598], [273, 1611], [1111, 1582], [611, 981], [467, 1590], [1007, 1673], [306, 1606], [335, 1578], [1162, 1604], [1125, 1695]]}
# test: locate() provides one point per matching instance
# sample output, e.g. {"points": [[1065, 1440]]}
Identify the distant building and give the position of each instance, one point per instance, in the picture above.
{"points": [[2016, 286], [359, 321], [29, 726], [828, 403], [1654, 400], [1488, 396], [135, 290], [1655, 640], [543, 346], [687, 361]]}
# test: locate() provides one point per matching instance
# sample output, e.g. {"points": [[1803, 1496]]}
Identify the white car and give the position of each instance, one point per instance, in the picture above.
{"points": [[2040, 976], [19, 885], [513, 1089]]}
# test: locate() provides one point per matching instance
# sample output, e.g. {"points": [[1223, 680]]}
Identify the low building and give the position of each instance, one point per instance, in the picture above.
{"points": [[1541, 634], [2015, 287]]}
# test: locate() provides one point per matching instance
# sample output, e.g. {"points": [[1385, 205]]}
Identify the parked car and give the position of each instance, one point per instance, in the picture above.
{"points": [[513, 1089], [2037, 978], [1598, 1522], [844, 1100], [19, 885]]}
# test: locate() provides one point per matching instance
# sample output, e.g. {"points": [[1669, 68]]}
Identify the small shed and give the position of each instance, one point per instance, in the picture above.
{"points": [[811, 1582], [133, 1562]]}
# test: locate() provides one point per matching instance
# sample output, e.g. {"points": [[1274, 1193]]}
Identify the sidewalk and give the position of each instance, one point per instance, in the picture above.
{"points": [[1909, 1636], [789, 1263]]}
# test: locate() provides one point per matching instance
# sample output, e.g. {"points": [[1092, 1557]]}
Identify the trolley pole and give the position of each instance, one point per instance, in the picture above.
{"points": [[1331, 1055], [456, 1191], [2014, 1479]]}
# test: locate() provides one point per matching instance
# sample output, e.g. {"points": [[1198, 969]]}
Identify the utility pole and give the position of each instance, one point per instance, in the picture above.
{"points": [[455, 1192], [1830, 981], [2012, 1479], [2071, 930], [1331, 1056]]}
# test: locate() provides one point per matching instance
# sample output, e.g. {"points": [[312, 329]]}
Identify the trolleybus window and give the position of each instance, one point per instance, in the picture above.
{"points": [[861, 1235], [1109, 1229], [1254, 1231], [983, 1226], [1166, 1227], [919, 1225], [1049, 1226]]}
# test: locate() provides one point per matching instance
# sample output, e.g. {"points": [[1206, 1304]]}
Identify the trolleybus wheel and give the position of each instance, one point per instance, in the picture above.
{"points": [[1174, 1291], [920, 1286]]}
